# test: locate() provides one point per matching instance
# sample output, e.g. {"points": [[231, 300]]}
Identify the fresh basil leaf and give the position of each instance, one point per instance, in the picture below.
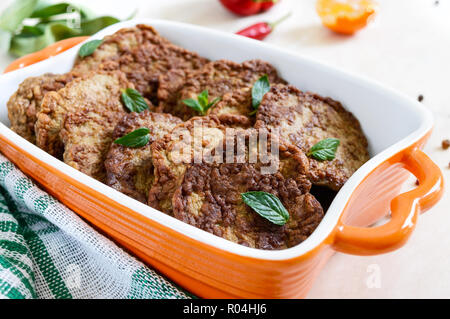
{"points": [[12, 16], [25, 43], [267, 205], [51, 10], [217, 99], [194, 104], [138, 138], [325, 150], [133, 100], [89, 47], [259, 89], [93, 26]]}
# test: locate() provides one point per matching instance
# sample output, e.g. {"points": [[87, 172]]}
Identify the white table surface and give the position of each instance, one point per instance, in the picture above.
{"points": [[407, 48]]}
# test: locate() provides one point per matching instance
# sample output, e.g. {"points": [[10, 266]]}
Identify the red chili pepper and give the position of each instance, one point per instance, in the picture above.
{"points": [[248, 7], [261, 30]]}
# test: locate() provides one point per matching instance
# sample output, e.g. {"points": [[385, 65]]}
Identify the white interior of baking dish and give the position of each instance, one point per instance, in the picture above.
{"points": [[391, 121]]}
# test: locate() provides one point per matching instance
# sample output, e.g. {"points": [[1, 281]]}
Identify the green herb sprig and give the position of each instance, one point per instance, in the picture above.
{"points": [[138, 138], [202, 104], [325, 150], [268, 206]]}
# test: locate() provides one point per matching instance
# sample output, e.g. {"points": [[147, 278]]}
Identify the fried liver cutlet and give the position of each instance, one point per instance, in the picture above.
{"points": [[219, 77], [130, 170], [209, 197], [25, 103], [97, 92], [143, 55], [170, 154], [304, 119]]}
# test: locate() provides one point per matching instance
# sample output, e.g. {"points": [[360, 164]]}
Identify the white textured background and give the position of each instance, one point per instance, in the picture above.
{"points": [[407, 48]]}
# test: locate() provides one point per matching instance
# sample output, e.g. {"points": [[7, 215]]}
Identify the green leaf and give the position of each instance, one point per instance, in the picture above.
{"points": [[86, 13], [138, 138], [217, 99], [325, 150], [42, 4], [93, 26], [133, 100], [203, 98], [48, 30], [51, 10], [89, 47], [12, 16], [25, 43], [267, 205], [202, 104], [5, 41], [132, 15], [259, 89]]}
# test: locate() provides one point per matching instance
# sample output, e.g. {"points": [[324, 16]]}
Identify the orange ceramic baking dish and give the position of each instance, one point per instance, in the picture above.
{"points": [[396, 126]]}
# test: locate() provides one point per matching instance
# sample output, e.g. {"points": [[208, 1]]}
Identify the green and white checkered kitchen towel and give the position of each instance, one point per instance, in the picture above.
{"points": [[47, 251]]}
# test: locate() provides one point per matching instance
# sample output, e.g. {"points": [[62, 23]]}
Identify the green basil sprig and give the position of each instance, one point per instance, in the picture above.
{"points": [[268, 206], [202, 103], [27, 26], [325, 150], [133, 100], [138, 138], [259, 89], [89, 47]]}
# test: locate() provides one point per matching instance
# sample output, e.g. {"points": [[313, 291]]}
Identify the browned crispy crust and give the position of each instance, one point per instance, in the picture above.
{"points": [[303, 119], [143, 55], [25, 103], [220, 77], [170, 155], [130, 170], [209, 198]]}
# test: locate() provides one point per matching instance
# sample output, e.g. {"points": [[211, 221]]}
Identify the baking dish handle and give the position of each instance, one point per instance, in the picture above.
{"points": [[405, 209], [52, 50]]}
